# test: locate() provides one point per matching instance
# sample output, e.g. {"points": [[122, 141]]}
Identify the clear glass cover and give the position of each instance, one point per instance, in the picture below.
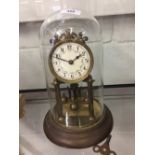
{"points": [[72, 55]]}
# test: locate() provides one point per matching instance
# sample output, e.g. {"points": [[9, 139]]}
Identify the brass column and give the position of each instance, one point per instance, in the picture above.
{"points": [[58, 100], [90, 97]]}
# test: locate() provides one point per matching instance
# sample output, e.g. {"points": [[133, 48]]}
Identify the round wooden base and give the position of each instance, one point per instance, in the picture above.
{"points": [[80, 138]]}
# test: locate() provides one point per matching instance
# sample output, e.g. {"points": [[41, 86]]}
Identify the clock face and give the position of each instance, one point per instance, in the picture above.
{"points": [[71, 61]]}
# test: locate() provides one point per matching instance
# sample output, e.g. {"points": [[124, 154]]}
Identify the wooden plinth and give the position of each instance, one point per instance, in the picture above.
{"points": [[78, 138]]}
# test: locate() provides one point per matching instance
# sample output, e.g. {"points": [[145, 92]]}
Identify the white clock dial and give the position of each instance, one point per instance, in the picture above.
{"points": [[71, 62]]}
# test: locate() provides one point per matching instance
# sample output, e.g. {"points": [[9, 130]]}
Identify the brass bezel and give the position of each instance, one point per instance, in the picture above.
{"points": [[70, 41]]}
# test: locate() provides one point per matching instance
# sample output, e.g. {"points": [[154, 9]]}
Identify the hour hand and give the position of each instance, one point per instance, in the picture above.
{"points": [[77, 57]]}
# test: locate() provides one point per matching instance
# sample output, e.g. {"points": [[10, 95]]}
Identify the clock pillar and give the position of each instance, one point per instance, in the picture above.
{"points": [[74, 88], [58, 100], [90, 81]]}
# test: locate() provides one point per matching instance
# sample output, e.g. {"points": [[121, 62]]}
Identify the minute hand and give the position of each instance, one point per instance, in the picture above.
{"points": [[60, 59]]}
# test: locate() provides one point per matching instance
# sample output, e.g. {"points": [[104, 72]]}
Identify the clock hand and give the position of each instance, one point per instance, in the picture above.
{"points": [[77, 57], [69, 61], [60, 59]]}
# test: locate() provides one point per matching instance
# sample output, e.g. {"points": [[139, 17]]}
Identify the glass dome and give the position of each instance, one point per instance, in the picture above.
{"points": [[73, 54]]}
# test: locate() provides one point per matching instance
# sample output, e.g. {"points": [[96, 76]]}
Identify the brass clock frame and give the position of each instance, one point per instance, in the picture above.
{"points": [[69, 39]]}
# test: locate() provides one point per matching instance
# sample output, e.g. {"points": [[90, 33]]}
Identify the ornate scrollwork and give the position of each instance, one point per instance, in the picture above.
{"points": [[68, 35]]}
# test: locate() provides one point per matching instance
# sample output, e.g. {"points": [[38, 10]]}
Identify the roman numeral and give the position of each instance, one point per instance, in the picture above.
{"points": [[72, 76], [57, 55], [83, 53], [62, 50], [86, 60], [79, 73], [84, 68], [69, 47]]}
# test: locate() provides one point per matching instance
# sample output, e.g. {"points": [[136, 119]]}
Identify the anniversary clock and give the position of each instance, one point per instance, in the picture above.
{"points": [[73, 60]]}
